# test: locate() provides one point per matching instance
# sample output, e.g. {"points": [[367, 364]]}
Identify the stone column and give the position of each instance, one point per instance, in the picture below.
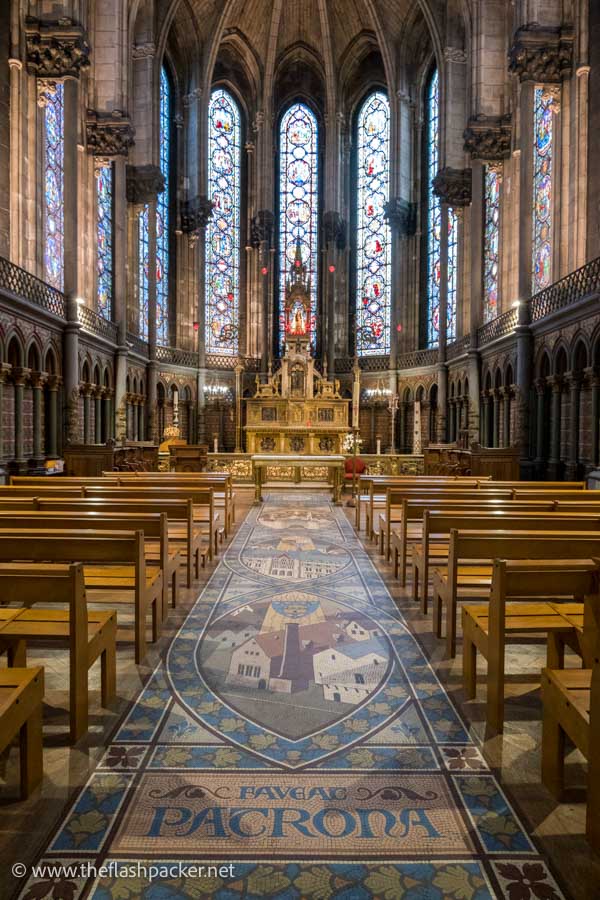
{"points": [[87, 429], [334, 228], [540, 389], [4, 370], [486, 419], [37, 388], [98, 416], [52, 413], [71, 371], [19, 377], [120, 395], [554, 466], [506, 411], [107, 418], [574, 380], [496, 402]]}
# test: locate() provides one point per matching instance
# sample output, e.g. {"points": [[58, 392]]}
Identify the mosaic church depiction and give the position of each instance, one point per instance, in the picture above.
{"points": [[299, 449]]}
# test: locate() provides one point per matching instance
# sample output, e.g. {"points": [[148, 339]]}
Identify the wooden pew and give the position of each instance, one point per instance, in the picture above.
{"points": [[154, 526], [470, 581], [221, 482], [410, 530], [88, 634], [180, 513], [374, 486], [21, 695], [202, 499], [113, 560], [487, 627], [563, 495], [15, 492], [437, 526], [571, 702]]}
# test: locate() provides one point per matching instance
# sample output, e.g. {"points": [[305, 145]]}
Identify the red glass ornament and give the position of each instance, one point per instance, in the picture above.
{"points": [[230, 296], [398, 327], [196, 326], [332, 269], [297, 263], [264, 270]]}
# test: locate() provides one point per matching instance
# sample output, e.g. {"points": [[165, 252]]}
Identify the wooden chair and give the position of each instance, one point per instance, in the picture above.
{"points": [[113, 561], [487, 627], [21, 695], [473, 579], [88, 634], [571, 699]]}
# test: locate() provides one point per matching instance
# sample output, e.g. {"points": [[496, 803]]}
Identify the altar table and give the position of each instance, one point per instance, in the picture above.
{"points": [[334, 463]]}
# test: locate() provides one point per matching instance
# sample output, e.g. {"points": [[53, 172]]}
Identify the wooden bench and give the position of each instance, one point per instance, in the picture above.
{"points": [[88, 634], [486, 627], [154, 525], [410, 530], [113, 560], [182, 532], [21, 695], [571, 702], [437, 526], [473, 579], [205, 514]]}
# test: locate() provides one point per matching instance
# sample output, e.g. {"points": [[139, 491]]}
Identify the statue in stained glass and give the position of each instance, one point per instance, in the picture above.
{"points": [[543, 167], [491, 243], [434, 212], [53, 215], [104, 238], [373, 251], [223, 231], [298, 206], [162, 213]]}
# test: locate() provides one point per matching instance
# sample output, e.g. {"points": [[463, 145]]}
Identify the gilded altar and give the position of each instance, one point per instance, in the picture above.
{"points": [[297, 410]]}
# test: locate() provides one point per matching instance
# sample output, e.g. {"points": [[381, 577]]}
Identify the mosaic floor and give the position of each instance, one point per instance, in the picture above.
{"points": [[295, 730]]}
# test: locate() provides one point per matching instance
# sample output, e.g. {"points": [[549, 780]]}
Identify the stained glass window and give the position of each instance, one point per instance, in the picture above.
{"points": [[223, 231], [53, 216], [452, 275], [298, 203], [373, 257], [143, 270], [543, 165], [491, 244], [162, 214], [434, 212], [104, 238]]}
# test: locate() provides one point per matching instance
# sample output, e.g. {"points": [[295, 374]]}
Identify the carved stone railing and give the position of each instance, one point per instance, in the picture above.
{"points": [[345, 364], [573, 287], [177, 357], [220, 361], [95, 324], [498, 327], [459, 347], [137, 345], [418, 358], [23, 284]]}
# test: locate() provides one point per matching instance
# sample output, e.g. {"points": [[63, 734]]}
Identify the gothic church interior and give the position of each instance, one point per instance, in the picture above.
{"points": [[299, 445]]}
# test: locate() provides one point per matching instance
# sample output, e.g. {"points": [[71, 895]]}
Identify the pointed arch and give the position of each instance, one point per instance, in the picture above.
{"points": [[223, 231], [298, 202], [373, 235]]}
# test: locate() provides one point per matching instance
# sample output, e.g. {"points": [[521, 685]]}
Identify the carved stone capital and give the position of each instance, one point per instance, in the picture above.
{"points": [[488, 138], [453, 186], [55, 49], [334, 229], [195, 214], [108, 135], [143, 183], [193, 96], [144, 51], [262, 228], [543, 55], [402, 216]]}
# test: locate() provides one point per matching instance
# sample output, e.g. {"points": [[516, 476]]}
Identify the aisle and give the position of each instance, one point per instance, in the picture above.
{"points": [[296, 730]]}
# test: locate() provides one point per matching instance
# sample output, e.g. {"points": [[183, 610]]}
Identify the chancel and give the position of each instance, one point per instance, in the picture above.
{"points": [[299, 449]]}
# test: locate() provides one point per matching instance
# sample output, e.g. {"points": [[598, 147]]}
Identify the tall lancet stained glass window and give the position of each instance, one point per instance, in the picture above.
{"points": [[143, 270], [491, 243], [543, 174], [53, 210], [223, 231], [298, 203], [162, 213], [373, 249], [104, 238], [434, 211]]}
